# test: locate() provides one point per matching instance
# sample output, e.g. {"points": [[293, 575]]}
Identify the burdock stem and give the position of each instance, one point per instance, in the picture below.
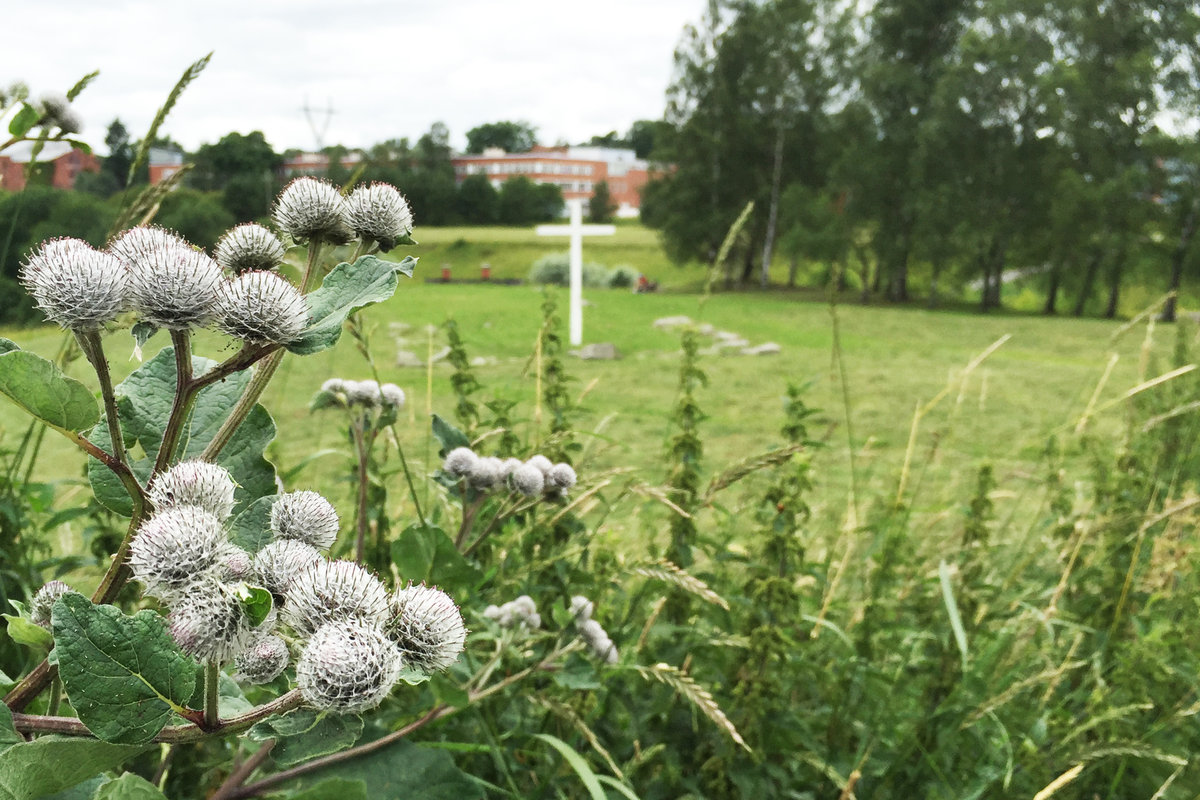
{"points": [[262, 375], [212, 696], [89, 343]]}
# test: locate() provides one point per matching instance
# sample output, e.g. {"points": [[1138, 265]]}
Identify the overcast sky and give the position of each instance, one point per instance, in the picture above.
{"points": [[388, 69]]}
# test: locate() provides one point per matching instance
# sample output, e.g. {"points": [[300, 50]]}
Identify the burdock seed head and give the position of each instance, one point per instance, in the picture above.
{"points": [[175, 548], [263, 660], [306, 517], [249, 247], [560, 477], [195, 483], [363, 393], [234, 564], [528, 480], [137, 245], [392, 395], [334, 591], [487, 472], [309, 209], [261, 307], [208, 623], [278, 563], [43, 602], [57, 112], [543, 464], [77, 287], [427, 627], [460, 462], [348, 667], [173, 285], [581, 607], [379, 213]]}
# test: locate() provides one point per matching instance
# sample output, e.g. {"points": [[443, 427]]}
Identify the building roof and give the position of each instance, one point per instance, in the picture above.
{"points": [[21, 152]]}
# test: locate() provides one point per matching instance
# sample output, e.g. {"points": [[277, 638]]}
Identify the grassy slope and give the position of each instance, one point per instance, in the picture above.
{"points": [[1036, 384]]}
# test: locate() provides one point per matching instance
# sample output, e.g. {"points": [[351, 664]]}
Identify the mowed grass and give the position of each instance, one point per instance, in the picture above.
{"points": [[510, 252], [1036, 385]]}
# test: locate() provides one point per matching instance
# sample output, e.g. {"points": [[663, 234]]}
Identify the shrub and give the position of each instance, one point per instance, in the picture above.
{"points": [[555, 270]]}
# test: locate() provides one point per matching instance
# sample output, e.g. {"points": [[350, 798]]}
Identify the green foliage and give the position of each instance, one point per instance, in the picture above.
{"points": [[347, 288], [197, 216], [512, 137], [403, 770], [52, 763], [685, 451], [463, 380], [304, 734], [145, 408], [555, 395], [601, 206], [523, 202], [124, 675], [555, 270], [129, 787], [42, 390]]}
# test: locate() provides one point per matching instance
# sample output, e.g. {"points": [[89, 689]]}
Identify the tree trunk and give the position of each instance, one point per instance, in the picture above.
{"points": [[773, 210], [1052, 291], [936, 269], [865, 273], [1114, 284], [1177, 261], [1089, 283], [793, 268], [898, 273]]}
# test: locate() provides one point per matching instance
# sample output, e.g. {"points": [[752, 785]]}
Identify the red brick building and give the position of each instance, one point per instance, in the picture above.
{"points": [[575, 170], [63, 162]]}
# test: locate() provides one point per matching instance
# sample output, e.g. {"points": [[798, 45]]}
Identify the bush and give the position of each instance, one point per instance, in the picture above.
{"points": [[555, 270], [623, 276]]}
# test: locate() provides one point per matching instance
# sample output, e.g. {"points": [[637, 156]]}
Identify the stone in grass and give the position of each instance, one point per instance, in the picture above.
{"points": [[600, 351], [407, 358], [672, 322], [764, 349]]}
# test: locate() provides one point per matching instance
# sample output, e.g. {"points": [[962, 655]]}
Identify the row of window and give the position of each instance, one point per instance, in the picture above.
{"points": [[524, 168]]}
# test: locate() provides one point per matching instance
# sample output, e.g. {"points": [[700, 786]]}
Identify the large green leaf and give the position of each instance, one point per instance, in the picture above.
{"points": [[334, 789], [402, 771], [145, 406], [8, 733], [124, 675], [448, 436], [22, 631], [41, 388], [425, 554], [251, 529], [346, 288], [305, 734], [50, 764], [129, 787]]}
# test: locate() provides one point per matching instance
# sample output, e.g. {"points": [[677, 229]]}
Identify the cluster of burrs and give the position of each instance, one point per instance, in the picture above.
{"points": [[367, 395], [515, 613], [169, 283], [592, 633], [353, 638], [531, 478]]}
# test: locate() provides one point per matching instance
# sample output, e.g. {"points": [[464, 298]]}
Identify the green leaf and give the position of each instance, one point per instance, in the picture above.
{"points": [[142, 331], [8, 345], [124, 675], [956, 624], [251, 529], [26, 633], [145, 406], [82, 84], [621, 788], [347, 288], [50, 764], [334, 789], [427, 554], [305, 734], [577, 673], [8, 732], [24, 120], [256, 602], [402, 771], [81, 791], [576, 762], [129, 787], [41, 388], [231, 700], [448, 436]]}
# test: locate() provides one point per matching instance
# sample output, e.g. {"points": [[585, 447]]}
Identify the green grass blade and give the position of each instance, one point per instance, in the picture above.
{"points": [[960, 633], [621, 788], [189, 75], [590, 781]]}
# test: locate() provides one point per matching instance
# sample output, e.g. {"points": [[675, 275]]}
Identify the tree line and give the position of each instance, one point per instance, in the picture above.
{"points": [[926, 146]]}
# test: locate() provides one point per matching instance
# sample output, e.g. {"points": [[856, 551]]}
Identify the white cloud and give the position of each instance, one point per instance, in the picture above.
{"points": [[389, 69]]}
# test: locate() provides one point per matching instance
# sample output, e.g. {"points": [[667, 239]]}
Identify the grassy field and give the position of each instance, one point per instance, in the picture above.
{"points": [[1033, 386]]}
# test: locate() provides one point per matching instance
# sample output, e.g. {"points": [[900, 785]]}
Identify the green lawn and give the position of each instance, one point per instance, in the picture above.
{"points": [[1035, 385]]}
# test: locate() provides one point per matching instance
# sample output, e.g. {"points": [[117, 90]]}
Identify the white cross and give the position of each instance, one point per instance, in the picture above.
{"points": [[576, 230]]}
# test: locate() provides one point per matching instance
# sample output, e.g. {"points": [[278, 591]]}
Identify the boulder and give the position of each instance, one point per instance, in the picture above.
{"points": [[764, 349], [672, 322], [601, 351]]}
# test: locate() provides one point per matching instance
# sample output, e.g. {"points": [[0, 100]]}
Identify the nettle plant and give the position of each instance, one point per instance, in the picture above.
{"points": [[177, 447]]}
